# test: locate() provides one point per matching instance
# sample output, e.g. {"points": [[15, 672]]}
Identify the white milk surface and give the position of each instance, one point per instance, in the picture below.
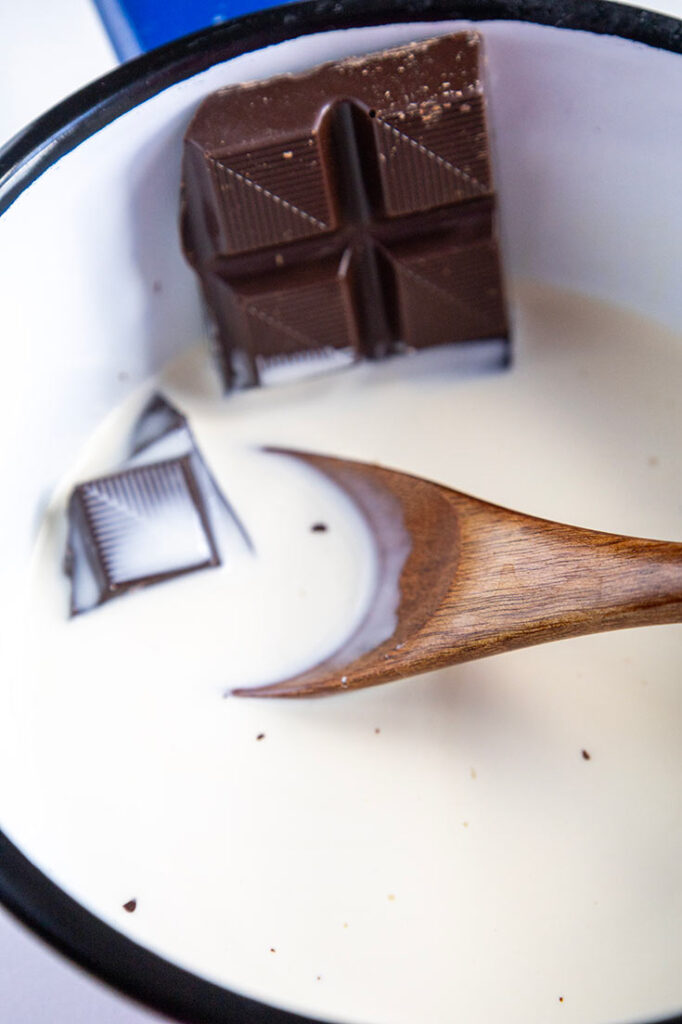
{"points": [[264, 614], [497, 842]]}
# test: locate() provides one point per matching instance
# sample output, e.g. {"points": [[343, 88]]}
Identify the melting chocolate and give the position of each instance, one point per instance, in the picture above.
{"points": [[345, 213], [160, 516], [163, 432]]}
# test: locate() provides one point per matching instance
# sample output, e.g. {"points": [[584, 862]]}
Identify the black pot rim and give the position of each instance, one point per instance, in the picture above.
{"points": [[24, 889]]}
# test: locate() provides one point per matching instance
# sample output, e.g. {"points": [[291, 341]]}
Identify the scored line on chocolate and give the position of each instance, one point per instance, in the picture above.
{"points": [[441, 161], [444, 293], [222, 168], [273, 321]]}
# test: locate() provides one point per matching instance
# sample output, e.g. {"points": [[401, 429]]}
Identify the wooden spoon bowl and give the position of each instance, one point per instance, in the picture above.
{"points": [[472, 579]]}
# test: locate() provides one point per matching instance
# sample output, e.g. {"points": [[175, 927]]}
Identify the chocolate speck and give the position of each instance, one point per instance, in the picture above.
{"points": [[585, 755], [561, 999], [272, 949], [260, 736], [130, 906], [319, 528], [377, 731]]}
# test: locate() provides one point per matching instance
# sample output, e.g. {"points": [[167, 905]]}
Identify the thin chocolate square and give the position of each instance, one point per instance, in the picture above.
{"points": [[139, 526]]}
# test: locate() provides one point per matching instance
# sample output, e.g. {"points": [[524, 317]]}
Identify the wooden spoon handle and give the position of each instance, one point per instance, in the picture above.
{"points": [[521, 581]]}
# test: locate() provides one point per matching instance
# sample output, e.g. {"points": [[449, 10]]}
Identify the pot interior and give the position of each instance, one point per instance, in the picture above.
{"points": [[474, 864]]}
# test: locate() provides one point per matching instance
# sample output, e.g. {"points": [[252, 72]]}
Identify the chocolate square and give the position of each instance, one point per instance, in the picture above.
{"points": [[140, 526]]}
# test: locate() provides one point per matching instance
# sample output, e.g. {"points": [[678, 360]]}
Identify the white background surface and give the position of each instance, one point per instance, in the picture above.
{"points": [[47, 50]]}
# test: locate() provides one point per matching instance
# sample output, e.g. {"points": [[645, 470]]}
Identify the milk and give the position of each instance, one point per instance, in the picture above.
{"points": [[495, 842]]}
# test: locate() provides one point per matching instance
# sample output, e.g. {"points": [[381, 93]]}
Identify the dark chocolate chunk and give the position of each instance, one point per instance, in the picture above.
{"points": [[345, 213], [163, 432], [160, 516], [136, 527]]}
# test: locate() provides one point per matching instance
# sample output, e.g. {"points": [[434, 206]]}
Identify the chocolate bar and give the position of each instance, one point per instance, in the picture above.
{"points": [[345, 213], [160, 516]]}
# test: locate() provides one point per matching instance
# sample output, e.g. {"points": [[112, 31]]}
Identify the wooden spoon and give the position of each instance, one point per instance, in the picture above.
{"points": [[464, 579]]}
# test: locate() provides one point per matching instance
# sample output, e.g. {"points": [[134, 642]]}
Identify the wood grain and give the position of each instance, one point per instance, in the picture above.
{"points": [[480, 579]]}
